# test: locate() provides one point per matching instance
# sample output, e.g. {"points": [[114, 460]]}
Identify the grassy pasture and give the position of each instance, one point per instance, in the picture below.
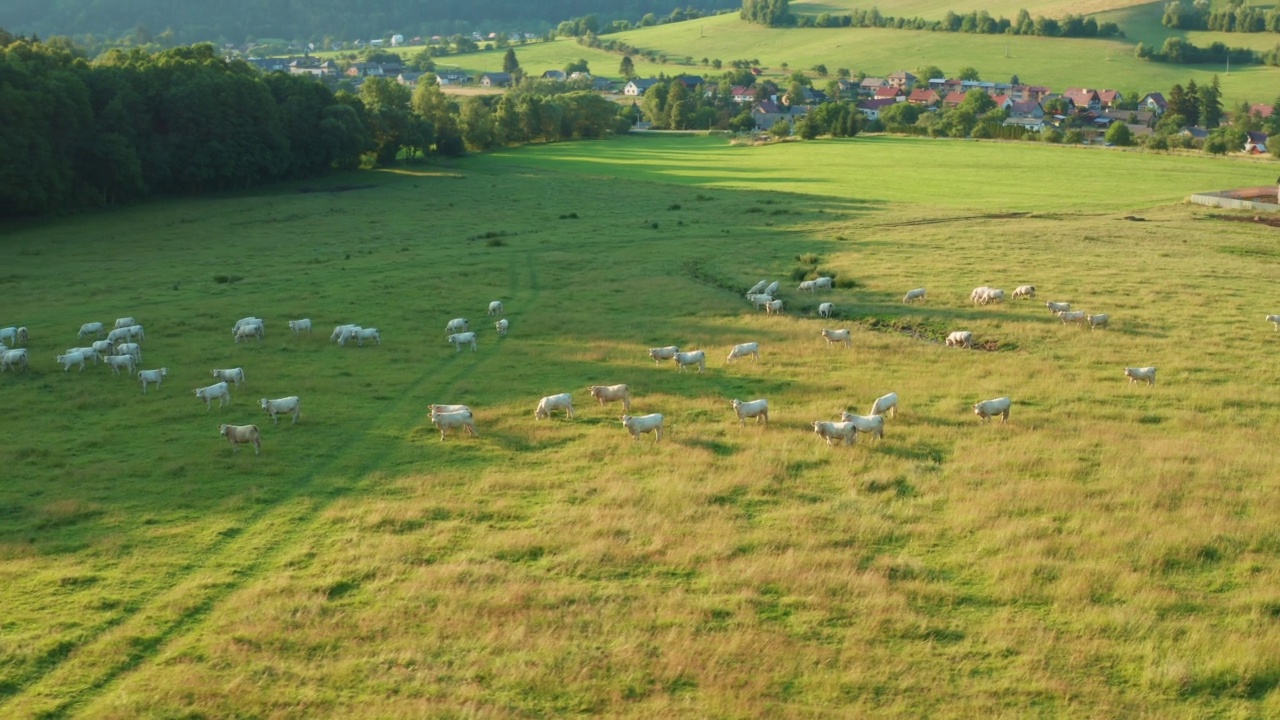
{"points": [[939, 8], [1057, 62], [1110, 552]]}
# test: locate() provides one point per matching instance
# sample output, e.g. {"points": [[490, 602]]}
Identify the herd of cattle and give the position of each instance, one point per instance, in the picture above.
{"points": [[121, 349]]}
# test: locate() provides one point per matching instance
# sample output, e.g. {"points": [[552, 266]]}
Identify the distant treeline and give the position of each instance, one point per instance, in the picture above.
{"points": [[313, 20], [1177, 50], [1237, 16], [75, 134], [775, 13]]}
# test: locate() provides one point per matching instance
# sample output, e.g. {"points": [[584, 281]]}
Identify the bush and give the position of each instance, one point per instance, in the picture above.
{"points": [[1073, 136], [808, 258]]}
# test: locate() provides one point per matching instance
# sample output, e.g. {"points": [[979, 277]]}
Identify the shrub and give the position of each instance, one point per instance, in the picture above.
{"points": [[808, 258]]}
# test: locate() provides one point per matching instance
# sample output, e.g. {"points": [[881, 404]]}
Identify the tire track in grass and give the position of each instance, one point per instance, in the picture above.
{"points": [[121, 646]]}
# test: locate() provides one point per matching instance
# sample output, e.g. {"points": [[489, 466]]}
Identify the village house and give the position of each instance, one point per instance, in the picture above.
{"points": [[871, 108], [409, 79], [868, 86], [1256, 143], [768, 113], [557, 75], [902, 80], [1026, 109], [639, 86], [1022, 93], [1261, 110], [924, 97], [952, 99], [1026, 123], [313, 67], [892, 93], [1155, 103], [743, 94], [495, 79]]}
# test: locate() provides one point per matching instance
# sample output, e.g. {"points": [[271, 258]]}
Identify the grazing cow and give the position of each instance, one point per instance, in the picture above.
{"points": [[1073, 316], [251, 320], [693, 357], [807, 285], [772, 287], [502, 326], [1024, 291], [758, 409], [985, 295], [1275, 319], [743, 350], [93, 328], [1097, 321], [825, 310], [917, 294], [360, 334], [347, 333], [104, 347], [843, 431], [282, 406], [136, 333], [885, 404], [551, 403], [774, 308], [960, 338], [12, 358], [663, 353], [88, 352], [838, 336], [298, 326], [119, 334], [133, 349], [823, 283], [248, 331], [642, 424], [612, 393], [495, 307], [1057, 307], [231, 375], [75, 358], [219, 390], [978, 294], [341, 330], [146, 377], [988, 409], [460, 339], [1138, 374], [115, 362], [448, 408], [241, 435], [759, 300], [445, 421], [457, 325], [757, 288], [125, 322], [873, 424]]}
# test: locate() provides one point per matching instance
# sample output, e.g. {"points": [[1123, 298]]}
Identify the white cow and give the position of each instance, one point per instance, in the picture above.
{"points": [[823, 283], [825, 310], [249, 331], [873, 424], [642, 424], [495, 307], [448, 408], [120, 334], [843, 431], [88, 352], [282, 406], [917, 294], [1057, 307], [1097, 321], [75, 358], [12, 358], [239, 435], [774, 307], [743, 350], [115, 362], [457, 325], [219, 390], [960, 338], [133, 349], [807, 285], [693, 357], [230, 375], [360, 335], [135, 332], [298, 326], [146, 377], [125, 322], [551, 403], [978, 294], [612, 393], [772, 287], [348, 333], [1024, 291], [838, 336], [885, 404], [460, 339], [1073, 316], [340, 330], [663, 353], [757, 288], [445, 421], [502, 326], [93, 328], [104, 347], [251, 320], [1139, 374], [993, 295], [758, 409], [988, 409], [14, 335], [1275, 319], [759, 300]]}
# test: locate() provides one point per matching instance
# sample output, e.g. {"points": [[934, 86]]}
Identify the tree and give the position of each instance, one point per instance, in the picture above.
{"points": [[576, 66], [1209, 104], [477, 124], [806, 128], [929, 72], [977, 102], [900, 115], [1119, 134], [969, 73], [510, 64], [780, 129], [627, 68], [1191, 103]]}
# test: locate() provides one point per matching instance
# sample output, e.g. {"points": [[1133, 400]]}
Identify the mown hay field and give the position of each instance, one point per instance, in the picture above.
{"points": [[1111, 551]]}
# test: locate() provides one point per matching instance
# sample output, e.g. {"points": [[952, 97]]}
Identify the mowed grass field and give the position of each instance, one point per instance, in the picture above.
{"points": [[1056, 62], [1111, 551]]}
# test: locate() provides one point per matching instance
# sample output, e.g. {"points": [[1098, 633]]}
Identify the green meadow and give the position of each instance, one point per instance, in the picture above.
{"points": [[1110, 551]]}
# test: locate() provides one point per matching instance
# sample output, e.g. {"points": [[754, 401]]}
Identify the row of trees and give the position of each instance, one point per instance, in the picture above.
{"points": [[774, 13], [977, 22], [77, 134], [1179, 51], [1236, 16]]}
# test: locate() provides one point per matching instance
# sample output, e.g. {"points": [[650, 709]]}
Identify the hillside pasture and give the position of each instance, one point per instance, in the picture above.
{"points": [[1111, 551]]}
